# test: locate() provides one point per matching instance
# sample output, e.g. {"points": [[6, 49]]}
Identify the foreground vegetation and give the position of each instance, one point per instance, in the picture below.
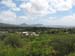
{"points": [[49, 43]]}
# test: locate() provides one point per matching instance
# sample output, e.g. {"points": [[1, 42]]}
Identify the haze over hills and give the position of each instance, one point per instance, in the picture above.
{"points": [[22, 25], [34, 25], [41, 25], [7, 25]]}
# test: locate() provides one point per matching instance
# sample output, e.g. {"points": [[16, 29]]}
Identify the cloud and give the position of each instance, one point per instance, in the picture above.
{"points": [[7, 17], [36, 7], [61, 5], [66, 20], [11, 18], [10, 4], [44, 7], [23, 19], [73, 2]]}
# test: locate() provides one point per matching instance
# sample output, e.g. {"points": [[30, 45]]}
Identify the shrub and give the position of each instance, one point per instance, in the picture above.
{"points": [[14, 40]]}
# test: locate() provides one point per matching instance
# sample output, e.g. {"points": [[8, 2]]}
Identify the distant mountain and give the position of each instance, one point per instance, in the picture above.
{"points": [[41, 25], [24, 25], [32, 25], [7, 25], [37, 25]]}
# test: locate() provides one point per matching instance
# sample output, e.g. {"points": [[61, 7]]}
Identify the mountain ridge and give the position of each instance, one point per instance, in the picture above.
{"points": [[34, 25]]}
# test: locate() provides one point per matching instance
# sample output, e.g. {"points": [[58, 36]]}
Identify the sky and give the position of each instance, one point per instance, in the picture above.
{"points": [[47, 12]]}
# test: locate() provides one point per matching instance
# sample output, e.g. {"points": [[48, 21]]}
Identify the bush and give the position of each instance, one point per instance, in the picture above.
{"points": [[14, 40], [71, 54]]}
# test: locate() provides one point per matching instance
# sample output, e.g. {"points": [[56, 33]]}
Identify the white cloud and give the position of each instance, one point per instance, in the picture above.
{"points": [[61, 5], [44, 7], [36, 7], [11, 18], [10, 4], [66, 20], [7, 17], [73, 2], [23, 19]]}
